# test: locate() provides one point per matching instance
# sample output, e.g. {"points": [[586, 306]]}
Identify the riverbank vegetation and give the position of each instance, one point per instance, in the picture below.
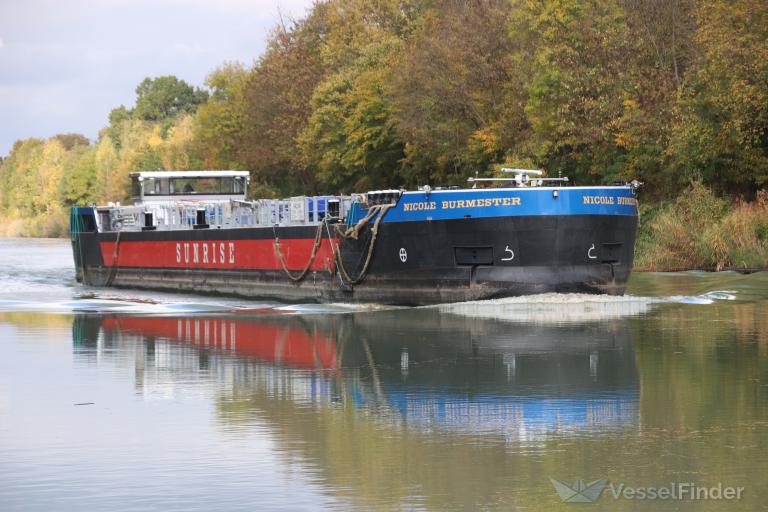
{"points": [[362, 95], [699, 230]]}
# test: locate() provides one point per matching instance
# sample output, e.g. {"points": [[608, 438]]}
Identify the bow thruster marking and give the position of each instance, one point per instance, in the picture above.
{"points": [[403, 255]]}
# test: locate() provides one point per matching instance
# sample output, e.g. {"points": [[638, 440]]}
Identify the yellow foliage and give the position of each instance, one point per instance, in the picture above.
{"points": [[108, 178], [174, 153], [487, 139], [155, 140]]}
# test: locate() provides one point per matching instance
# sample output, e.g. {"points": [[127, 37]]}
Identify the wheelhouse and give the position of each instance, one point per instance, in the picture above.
{"points": [[208, 186]]}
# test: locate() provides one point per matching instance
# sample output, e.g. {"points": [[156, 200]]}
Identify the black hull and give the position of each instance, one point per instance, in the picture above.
{"points": [[445, 261]]}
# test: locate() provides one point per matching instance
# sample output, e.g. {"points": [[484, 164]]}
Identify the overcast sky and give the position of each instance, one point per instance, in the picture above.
{"points": [[64, 64]]}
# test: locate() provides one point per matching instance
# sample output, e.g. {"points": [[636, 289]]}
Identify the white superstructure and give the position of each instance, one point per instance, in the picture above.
{"points": [[201, 186]]}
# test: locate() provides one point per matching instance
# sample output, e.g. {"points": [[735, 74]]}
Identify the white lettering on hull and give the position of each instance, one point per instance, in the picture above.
{"points": [[213, 252]]}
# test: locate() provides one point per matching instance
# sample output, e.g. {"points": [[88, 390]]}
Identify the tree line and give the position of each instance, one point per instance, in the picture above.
{"points": [[360, 95]]}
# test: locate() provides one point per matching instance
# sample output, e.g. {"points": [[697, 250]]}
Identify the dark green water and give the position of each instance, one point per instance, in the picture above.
{"points": [[125, 400]]}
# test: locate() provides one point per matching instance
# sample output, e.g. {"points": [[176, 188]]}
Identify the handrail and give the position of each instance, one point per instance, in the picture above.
{"points": [[534, 172], [521, 180], [471, 180]]}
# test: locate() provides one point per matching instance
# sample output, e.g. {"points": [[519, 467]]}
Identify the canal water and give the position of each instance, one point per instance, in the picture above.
{"points": [[122, 400]]}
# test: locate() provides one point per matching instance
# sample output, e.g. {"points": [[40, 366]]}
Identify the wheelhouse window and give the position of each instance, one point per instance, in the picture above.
{"points": [[155, 186], [238, 185], [148, 185], [206, 186]]}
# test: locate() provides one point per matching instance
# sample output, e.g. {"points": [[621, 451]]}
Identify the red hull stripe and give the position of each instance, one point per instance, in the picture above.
{"points": [[281, 344], [219, 254]]}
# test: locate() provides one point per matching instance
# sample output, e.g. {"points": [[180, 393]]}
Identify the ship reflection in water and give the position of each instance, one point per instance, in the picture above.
{"points": [[421, 369], [134, 401]]}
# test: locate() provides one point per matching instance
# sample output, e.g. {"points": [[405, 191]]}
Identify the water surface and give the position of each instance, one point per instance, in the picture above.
{"points": [[130, 400]]}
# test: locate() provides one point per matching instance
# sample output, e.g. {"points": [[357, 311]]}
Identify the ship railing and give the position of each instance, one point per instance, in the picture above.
{"points": [[295, 211], [521, 178], [536, 182]]}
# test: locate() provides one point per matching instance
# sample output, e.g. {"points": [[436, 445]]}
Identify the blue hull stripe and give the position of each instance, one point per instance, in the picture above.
{"points": [[456, 204]]}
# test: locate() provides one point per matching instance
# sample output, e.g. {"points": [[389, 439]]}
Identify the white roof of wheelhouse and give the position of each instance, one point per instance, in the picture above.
{"points": [[190, 174]]}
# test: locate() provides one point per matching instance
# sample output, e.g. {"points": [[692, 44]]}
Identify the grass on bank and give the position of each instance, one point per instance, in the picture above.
{"points": [[699, 230], [49, 225]]}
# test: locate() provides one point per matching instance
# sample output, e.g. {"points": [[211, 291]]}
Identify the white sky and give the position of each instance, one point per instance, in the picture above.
{"points": [[64, 64]]}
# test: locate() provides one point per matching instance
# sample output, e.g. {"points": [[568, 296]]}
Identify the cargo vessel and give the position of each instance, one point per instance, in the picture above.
{"points": [[523, 234]]}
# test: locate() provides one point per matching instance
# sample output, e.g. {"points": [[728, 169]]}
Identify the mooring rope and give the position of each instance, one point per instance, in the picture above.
{"points": [[354, 232], [76, 239], [305, 271], [115, 256]]}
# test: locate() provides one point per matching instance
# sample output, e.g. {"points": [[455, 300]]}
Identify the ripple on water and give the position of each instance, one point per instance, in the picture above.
{"points": [[543, 308]]}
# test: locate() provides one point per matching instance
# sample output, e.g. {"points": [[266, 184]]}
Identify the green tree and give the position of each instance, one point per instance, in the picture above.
{"points": [[166, 96], [117, 116], [455, 95], [109, 182], [662, 53], [350, 138], [277, 99], [576, 55], [17, 182], [721, 134], [220, 122], [71, 140], [78, 185], [179, 149], [304, 62]]}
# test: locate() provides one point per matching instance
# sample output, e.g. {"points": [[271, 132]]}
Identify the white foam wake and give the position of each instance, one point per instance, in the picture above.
{"points": [[549, 308]]}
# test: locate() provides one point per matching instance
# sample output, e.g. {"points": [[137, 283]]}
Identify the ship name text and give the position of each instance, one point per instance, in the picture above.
{"points": [[461, 203], [205, 252], [630, 201]]}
